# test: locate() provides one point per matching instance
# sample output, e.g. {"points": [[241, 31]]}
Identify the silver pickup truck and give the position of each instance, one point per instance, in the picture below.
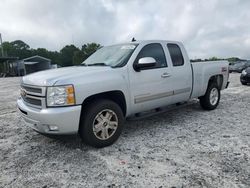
{"points": [[115, 83]]}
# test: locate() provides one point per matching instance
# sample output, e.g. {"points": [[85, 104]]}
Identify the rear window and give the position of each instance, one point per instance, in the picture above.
{"points": [[175, 54]]}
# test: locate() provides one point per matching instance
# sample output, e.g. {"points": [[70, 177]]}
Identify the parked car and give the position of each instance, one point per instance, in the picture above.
{"points": [[239, 67], [118, 82], [245, 76]]}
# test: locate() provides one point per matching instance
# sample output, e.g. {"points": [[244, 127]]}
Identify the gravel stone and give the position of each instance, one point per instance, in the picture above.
{"points": [[185, 147]]}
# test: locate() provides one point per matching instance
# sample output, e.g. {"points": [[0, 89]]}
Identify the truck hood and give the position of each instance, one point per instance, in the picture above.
{"points": [[50, 77]]}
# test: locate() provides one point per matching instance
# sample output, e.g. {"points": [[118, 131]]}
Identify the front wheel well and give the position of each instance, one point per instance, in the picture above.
{"points": [[116, 96]]}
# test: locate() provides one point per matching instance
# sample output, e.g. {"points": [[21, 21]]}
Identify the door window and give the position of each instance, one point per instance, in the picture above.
{"points": [[155, 51]]}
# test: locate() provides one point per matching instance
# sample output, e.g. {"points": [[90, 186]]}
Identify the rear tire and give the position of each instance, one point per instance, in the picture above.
{"points": [[211, 98], [101, 123]]}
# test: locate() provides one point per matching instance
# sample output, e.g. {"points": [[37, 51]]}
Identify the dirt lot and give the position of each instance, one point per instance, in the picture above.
{"points": [[187, 147]]}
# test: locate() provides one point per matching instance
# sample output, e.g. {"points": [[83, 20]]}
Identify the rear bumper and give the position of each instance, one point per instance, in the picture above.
{"points": [[62, 120]]}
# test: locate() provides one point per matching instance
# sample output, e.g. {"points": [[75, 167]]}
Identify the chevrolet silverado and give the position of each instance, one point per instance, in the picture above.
{"points": [[115, 83]]}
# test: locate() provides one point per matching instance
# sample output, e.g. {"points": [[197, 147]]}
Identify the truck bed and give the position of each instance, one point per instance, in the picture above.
{"points": [[202, 71]]}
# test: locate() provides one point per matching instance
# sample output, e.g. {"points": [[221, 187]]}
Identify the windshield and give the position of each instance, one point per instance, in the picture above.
{"points": [[114, 56]]}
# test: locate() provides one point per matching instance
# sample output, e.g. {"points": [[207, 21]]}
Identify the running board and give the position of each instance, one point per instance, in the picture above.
{"points": [[157, 111]]}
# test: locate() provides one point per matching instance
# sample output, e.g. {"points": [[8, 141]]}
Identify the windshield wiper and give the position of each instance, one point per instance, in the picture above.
{"points": [[82, 64], [97, 64]]}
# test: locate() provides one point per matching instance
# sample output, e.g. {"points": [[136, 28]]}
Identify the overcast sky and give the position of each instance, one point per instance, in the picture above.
{"points": [[206, 27]]}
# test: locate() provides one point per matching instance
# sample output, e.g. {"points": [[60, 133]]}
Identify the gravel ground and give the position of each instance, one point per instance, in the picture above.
{"points": [[187, 147]]}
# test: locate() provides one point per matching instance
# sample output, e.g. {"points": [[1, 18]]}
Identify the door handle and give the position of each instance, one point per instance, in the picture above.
{"points": [[165, 75]]}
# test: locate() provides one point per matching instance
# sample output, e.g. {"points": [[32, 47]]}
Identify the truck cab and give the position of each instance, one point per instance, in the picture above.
{"points": [[170, 78]]}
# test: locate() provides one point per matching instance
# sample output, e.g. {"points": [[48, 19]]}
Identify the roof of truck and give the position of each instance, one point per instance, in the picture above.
{"points": [[151, 41], [146, 41]]}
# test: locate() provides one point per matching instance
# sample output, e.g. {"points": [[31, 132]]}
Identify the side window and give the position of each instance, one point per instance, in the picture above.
{"points": [[154, 50], [175, 54]]}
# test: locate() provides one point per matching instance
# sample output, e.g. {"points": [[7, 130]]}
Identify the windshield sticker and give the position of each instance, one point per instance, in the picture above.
{"points": [[128, 47]]}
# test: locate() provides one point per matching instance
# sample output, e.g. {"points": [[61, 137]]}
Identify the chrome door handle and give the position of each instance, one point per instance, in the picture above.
{"points": [[165, 75]]}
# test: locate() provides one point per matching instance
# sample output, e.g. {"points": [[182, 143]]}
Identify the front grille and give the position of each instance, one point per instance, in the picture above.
{"points": [[32, 89], [33, 95], [32, 101]]}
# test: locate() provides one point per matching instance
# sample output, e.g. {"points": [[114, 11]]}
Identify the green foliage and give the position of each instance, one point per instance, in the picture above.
{"points": [[234, 59], [230, 60], [78, 57], [20, 45], [68, 55], [16, 48], [85, 52], [41, 51], [214, 59]]}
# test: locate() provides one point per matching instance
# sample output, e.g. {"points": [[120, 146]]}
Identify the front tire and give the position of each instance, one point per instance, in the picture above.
{"points": [[101, 123], [211, 98]]}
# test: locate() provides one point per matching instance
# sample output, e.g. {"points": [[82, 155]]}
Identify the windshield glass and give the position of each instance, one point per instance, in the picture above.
{"points": [[114, 56]]}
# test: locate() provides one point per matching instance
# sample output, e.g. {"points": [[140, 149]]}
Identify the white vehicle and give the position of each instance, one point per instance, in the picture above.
{"points": [[115, 83]]}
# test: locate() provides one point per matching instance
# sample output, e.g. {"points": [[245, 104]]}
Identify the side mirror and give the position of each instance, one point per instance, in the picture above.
{"points": [[145, 62]]}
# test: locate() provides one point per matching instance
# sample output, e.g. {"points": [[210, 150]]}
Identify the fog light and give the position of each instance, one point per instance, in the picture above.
{"points": [[53, 128]]}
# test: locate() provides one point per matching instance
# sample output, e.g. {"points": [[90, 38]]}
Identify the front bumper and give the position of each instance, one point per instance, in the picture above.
{"points": [[60, 120]]}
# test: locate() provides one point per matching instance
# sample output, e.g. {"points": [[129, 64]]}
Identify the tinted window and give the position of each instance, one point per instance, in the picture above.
{"points": [[175, 54], [156, 51]]}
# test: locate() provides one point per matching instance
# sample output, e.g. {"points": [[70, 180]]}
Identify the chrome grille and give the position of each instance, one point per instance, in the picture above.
{"points": [[33, 95], [32, 89], [32, 101]]}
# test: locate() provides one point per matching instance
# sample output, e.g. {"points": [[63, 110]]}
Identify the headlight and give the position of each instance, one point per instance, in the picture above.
{"points": [[244, 72], [60, 95]]}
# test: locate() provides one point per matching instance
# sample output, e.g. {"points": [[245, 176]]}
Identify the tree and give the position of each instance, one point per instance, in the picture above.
{"points": [[20, 45], [89, 49], [78, 57], [213, 59], [55, 57], [67, 54], [234, 59], [17, 48], [41, 51], [8, 49], [85, 52]]}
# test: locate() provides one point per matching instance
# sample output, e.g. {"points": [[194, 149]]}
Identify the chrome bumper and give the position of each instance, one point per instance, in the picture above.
{"points": [[60, 120]]}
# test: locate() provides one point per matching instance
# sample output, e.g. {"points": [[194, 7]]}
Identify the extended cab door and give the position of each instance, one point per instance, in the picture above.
{"points": [[151, 87], [181, 72]]}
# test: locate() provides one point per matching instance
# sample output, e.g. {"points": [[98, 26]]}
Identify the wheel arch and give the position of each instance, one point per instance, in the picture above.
{"points": [[218, 79], [116, 96]]}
